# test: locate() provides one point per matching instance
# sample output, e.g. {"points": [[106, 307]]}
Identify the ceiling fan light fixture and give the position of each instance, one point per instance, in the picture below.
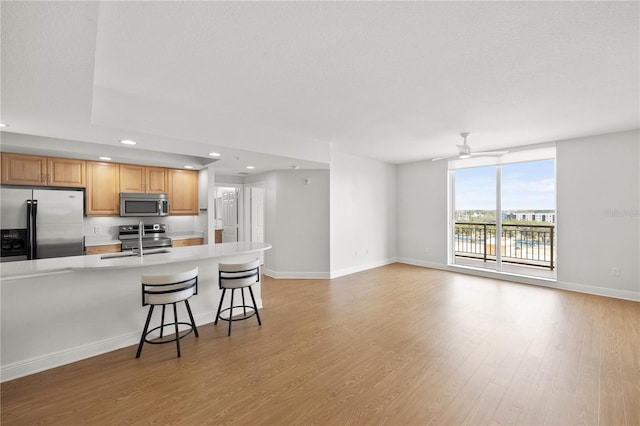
{"points": [[465, 156]]}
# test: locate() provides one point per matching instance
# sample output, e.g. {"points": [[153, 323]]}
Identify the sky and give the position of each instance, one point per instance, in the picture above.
{"points": [[525, 186]]}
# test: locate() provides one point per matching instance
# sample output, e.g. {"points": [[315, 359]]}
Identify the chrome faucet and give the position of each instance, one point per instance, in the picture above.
{"points": [[140, 235]]}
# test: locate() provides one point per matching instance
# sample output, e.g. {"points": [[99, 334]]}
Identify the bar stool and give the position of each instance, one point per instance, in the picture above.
{"points": [[238, 276], [168, 290]]}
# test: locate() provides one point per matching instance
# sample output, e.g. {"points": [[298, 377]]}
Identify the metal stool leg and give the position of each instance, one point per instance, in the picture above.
{"points": [[224, 291], [144, 332], [175, 319], [162, 322], [255, 306], [231, 312], [193, 323], [244, 307]]}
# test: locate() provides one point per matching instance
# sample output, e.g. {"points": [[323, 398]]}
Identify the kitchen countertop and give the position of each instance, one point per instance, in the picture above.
{"points": [[60, 265]]}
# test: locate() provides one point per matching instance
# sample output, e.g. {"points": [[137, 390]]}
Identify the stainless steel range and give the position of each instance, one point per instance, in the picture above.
{"points": [[153, 236]]}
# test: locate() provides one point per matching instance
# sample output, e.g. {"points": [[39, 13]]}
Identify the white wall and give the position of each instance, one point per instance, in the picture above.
{"points": [[599, 213], [363, 213], [296, 223], [422, 213], [598, 187]]}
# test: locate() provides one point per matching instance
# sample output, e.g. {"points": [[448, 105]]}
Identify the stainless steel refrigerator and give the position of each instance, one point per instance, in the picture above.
{"points": [[38, 223]]}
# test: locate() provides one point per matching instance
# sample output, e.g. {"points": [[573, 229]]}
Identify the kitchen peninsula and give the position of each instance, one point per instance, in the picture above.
{"points": [[57, 311]]}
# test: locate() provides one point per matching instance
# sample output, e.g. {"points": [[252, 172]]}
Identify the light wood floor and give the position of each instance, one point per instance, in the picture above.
{"points": [[397, 345]]}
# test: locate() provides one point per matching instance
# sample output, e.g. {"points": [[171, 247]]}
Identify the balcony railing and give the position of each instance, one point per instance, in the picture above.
{"points": [[531, 245]]}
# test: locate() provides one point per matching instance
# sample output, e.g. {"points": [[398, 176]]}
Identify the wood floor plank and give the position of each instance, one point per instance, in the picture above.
{"points": [[396, 345]]}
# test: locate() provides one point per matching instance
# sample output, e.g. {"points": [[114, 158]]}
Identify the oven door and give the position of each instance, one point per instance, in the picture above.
{"points": [[132, 244]]}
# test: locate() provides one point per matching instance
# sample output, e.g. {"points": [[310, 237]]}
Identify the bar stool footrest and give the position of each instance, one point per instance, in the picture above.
{"points": [[172, 324], [247, 315]]}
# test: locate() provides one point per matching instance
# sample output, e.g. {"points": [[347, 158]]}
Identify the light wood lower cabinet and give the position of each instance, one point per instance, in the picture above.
{"points": [[187, 242], [218, 236], [111, 248]]}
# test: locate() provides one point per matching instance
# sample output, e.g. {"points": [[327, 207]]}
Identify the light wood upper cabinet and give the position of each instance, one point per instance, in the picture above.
{"points": [[141, 179], [183, 192], [66, 172], [103, 189], [19, 169], [156, 179]]}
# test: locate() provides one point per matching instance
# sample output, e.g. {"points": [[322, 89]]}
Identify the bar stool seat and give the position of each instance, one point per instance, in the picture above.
{"points": [[168, 290], [238, 276]]}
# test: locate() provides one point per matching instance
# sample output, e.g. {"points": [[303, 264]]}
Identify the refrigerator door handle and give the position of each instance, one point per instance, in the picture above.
{"points": [[34, 216], [29, 230]]}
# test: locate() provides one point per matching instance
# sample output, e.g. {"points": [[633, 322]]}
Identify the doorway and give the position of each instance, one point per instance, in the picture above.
{"points": [[228, 213]]}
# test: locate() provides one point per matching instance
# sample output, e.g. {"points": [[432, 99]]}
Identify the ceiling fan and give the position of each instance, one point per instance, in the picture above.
{"points": [[464, 151]]}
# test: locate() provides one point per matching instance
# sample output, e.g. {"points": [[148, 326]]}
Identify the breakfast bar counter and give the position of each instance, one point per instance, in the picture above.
{"points": [[57, 311], [43, 267]]}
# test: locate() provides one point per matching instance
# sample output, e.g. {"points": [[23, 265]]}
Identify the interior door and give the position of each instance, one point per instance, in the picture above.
{"points": [[230, 216]]}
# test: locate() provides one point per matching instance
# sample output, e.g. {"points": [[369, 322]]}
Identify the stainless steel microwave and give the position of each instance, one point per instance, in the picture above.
{"points": [[139, 205]]}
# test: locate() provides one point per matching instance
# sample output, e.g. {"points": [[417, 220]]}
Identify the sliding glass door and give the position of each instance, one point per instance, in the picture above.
{"points": [[504, 217], [474, 232], [529, 218]]}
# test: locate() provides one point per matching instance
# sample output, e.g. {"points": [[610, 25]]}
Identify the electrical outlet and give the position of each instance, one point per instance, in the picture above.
{"points": [[96, 230], [614, 272]]}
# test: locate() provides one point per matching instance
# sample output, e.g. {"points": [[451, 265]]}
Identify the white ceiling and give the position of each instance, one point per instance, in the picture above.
{"points": [[395, 81]]}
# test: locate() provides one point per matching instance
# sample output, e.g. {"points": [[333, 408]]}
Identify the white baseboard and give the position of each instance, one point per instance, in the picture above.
{"points": [[56, 359], [419, 262], [297, 275], [328, 275], [599, 291], [580, 288], [362, 267]]}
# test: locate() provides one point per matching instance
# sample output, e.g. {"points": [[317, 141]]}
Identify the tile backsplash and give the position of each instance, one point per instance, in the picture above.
{"points": [[106, 228]]}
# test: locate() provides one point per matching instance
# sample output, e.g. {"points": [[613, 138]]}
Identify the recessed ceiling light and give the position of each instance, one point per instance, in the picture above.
{"points": [[188, 167], [250, 167], [105, 158], [214, 154], [3, 125], [128, 142]]}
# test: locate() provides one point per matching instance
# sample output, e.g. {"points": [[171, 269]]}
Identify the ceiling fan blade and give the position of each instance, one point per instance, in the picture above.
{"points": [[489, 153], [443, 158]]}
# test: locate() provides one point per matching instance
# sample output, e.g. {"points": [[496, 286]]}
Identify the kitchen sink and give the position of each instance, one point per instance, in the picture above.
{"points": [[134, 254]]}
